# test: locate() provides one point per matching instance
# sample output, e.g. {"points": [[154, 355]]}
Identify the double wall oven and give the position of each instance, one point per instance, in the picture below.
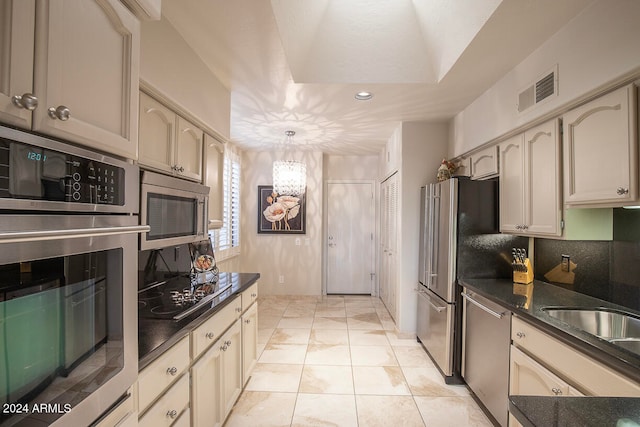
{"points": [[68, 281]]}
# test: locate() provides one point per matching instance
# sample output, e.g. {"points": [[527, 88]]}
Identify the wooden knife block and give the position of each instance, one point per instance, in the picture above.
{"points": [[524, 276]]}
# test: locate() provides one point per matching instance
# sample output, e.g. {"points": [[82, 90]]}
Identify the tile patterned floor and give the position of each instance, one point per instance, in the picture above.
{"points": [[336, 361]]}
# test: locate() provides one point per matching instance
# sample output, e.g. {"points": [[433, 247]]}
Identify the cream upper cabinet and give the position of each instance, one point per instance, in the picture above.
{"points": [[168, 142], [17, 20], [249, 342], [601, 150], [87, 56], [74, 75], [530, 182], [213, 173], [484, 163]]}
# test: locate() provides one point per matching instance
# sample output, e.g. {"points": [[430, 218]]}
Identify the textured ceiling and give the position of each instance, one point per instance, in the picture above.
{"points": [[293, 64]]}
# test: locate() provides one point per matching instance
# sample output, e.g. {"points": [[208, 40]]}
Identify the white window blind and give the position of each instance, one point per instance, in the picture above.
{"points": [[226, 240]]}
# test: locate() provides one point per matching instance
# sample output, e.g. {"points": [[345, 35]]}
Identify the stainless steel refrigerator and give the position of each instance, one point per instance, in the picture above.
{"points": [[458, 238]]}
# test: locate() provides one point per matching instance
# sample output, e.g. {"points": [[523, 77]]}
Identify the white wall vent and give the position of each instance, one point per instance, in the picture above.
{"points": [[544, 87]]}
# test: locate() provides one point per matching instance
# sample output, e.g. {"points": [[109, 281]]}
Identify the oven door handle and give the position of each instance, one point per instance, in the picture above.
{"points": [[32, 236]]}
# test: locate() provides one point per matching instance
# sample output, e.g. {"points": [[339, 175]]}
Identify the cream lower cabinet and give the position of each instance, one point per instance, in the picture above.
{"points": [[249, 342], [530, 186], [601, 150]]}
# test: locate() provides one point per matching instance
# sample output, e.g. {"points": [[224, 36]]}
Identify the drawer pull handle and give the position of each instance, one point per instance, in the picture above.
{"points": [[238, 309], [172, 414], [247, 321], [520, 334], [622, 191], [227, 343], [254, 295], [210, 335], [556, 391], [172, 371], [224, 347]]}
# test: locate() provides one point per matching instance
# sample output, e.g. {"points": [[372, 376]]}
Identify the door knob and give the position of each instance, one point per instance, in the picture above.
{"points": [[60, 112], [26, 101]]}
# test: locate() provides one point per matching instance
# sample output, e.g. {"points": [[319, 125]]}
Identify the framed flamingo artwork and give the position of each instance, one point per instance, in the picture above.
{"points": [[280, 213]]}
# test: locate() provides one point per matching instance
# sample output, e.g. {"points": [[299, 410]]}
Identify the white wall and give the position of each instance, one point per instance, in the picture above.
{"points": [[177, 73], [350, 167], [598, 46], [273, 255], [424, 145]]}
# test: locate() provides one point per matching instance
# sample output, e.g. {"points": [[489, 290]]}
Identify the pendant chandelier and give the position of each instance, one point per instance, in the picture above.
{"points": [[289, 176]]}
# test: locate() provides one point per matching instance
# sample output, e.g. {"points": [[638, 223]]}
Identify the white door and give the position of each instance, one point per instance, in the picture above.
{"points": [[350, 243]]}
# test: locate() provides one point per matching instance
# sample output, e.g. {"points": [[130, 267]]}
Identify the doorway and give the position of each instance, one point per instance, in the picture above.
{"points": [[350, 237]]}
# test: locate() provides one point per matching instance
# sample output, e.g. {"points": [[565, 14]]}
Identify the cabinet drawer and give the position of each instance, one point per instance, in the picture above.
{"points": [[207, 333], [484, 164], [168, 408], [580, 371], [162, 372], [249, 296]]}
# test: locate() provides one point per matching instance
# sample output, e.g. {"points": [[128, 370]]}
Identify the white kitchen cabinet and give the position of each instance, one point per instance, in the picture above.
{"points": [[389, 242], [484, 163], [392, 153], [17, 20], [528, 377], [231, 367], [530, 182], [145, 9], [213, 328], [168, 142], [84, 71], [249, 341], [213, 178], [169, 406], [601, 151]]}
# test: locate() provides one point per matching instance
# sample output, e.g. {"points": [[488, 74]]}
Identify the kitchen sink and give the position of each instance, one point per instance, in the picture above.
{"points": [[618, 327]]}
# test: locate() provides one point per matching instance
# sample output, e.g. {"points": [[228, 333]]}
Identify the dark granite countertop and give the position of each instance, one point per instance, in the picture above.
{"points": [[539, 411], [155, 336]]}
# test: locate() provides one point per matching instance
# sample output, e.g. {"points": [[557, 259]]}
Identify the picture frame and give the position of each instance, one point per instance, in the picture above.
{"points": [[280, 213]]}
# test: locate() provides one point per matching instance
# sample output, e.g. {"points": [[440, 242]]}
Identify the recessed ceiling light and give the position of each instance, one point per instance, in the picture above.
{"points": [[364, 96]]}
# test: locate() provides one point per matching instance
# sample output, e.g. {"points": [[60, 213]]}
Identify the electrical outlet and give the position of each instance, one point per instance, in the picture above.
{"points": [[297, 241], [565, 263], [281, 279]]}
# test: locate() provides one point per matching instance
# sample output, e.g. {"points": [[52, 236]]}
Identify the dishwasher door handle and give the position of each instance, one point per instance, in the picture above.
{"points": [[481, 306]]}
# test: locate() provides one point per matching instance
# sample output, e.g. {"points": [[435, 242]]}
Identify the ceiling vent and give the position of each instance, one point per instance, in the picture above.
{"points": [[544, 87]]}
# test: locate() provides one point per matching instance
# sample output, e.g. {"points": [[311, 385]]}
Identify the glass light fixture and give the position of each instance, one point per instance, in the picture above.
{"points": [[289, 176]]}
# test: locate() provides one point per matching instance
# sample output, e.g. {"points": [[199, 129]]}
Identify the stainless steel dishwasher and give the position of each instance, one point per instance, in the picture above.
{"points": [[485, 359]]}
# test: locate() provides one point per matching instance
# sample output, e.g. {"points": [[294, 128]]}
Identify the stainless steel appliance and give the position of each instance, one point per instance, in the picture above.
{"points": [[485, 366], [176, 211], [68, 273], [456, 216]]}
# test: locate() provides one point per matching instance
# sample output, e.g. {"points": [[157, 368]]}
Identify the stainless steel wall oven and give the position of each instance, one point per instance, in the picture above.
{"points": [[68, 281]]}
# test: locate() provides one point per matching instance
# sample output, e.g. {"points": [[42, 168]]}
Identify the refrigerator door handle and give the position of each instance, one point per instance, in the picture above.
{"points": [[434, 224]]}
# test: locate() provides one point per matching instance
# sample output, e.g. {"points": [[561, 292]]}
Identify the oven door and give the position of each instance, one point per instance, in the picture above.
{"points": [[68, 316]]}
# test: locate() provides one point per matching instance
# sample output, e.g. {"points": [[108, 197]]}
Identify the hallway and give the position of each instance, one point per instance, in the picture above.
{"points": [[335, 361]]}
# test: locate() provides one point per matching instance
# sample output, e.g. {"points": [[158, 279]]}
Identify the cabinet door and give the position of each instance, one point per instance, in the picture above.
{"points": [[484, 164], [528, 377], [600, 150], [189, 150], [512, 185], [157, 134], [17, 20], [214, 168], [249, 341], [231, 367], [86, 73], [206, 388], [542, 183]]}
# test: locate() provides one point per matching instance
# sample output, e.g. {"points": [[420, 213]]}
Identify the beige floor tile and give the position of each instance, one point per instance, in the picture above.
{"points": [[268, 322], [412, 357], [327, 379], [264, 334], [331, 312], [295, 322], [283, 353], [429, 382], [372, 355], [275, 378], [356, 310], [326, 354], [329, 336], [262, 409], [451, 411], [385, 411], [387, 380], [325, 410], [364, 321], [367, 337], [396, 341], [290, 336], [302, 310], [329, 323]]}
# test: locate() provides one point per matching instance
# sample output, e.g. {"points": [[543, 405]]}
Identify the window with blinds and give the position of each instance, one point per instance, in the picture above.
{"points": [[226, 240]]}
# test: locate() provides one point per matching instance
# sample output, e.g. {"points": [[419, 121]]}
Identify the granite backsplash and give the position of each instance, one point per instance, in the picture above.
{"points": [[609, 270]]}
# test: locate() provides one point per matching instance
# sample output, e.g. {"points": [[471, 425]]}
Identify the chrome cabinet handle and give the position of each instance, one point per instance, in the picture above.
{"points": [[622, 191], [224, 347], [520, 334], [556, 391], [60, 112], [254, 295], [172, 414], [27, 101], [228, 343], [247, 321], [210, 335], [172, 371], [238, 309]]}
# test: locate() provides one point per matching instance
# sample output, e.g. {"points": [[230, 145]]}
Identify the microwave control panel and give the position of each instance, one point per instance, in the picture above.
{"points": [[32, 172]]}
